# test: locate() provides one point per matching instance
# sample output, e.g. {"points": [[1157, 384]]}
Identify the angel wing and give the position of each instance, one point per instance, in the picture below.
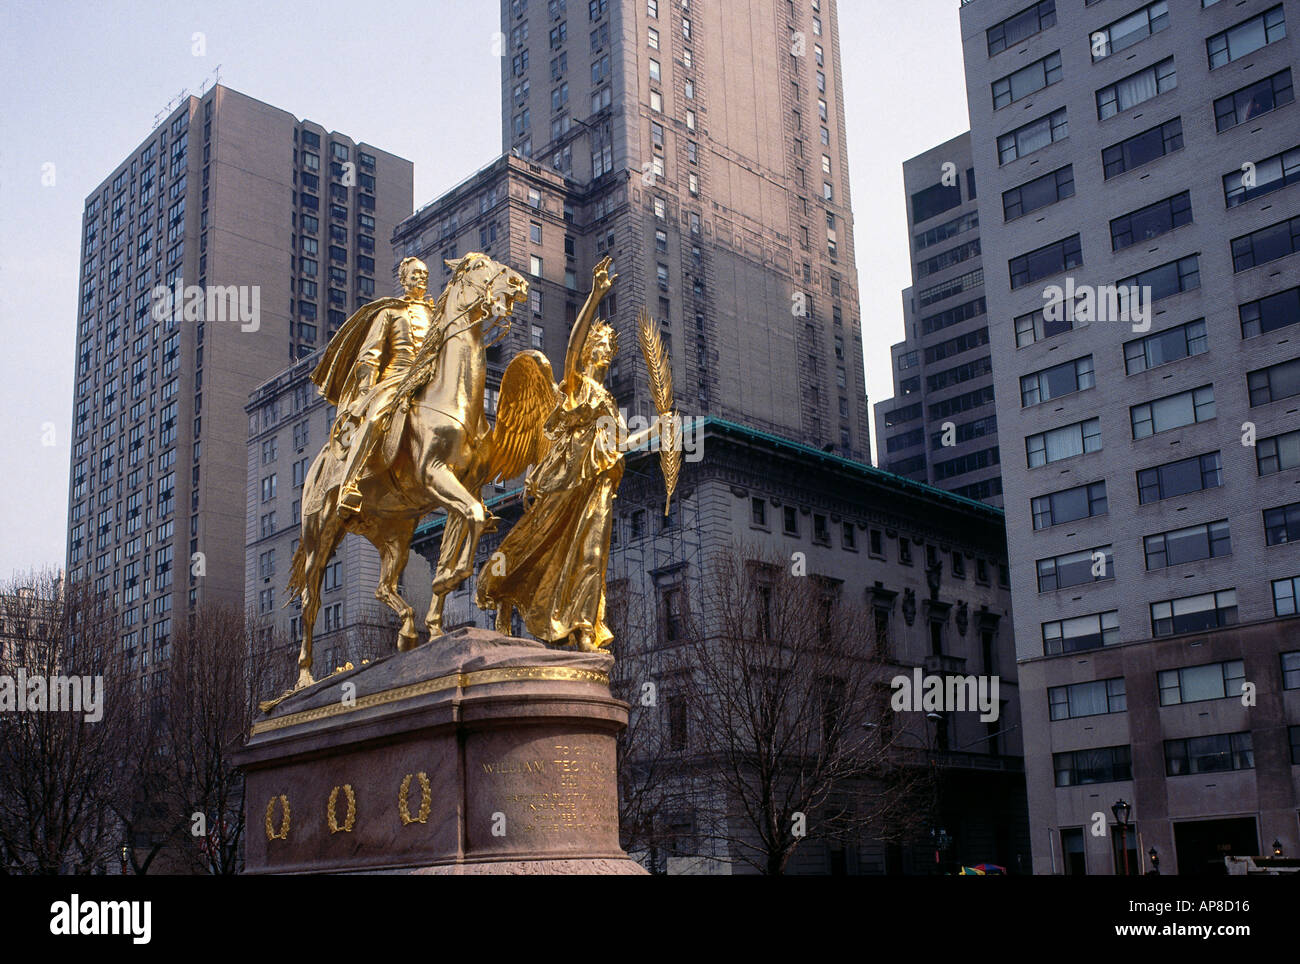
{"points": [[528, 396]]}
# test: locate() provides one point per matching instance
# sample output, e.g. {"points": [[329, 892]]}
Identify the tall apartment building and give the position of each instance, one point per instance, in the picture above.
{"points": [[702, 146], [1150, 473], [940, 426], [266, 228]]}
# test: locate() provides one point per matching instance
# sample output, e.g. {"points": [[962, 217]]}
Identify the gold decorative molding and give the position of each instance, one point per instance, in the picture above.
{"points": [[503, 674], [426, 799], [283, 832], [330, 810]]}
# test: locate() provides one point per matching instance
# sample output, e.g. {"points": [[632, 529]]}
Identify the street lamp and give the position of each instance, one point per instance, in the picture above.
{"points": [[1155, 860], [125, 854], [1122, 810], [1277, 847]]}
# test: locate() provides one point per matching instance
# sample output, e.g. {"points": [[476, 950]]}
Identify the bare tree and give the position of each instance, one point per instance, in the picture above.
{"points": [[215, 678], [786, 701], [58, 767], [644, 765]]}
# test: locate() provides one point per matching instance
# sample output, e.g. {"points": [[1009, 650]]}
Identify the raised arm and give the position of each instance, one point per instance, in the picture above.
{"points": [[601, 282]]}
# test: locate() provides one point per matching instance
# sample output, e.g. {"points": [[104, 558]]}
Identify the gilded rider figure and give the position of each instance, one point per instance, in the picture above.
{"points": [[393, 331]]}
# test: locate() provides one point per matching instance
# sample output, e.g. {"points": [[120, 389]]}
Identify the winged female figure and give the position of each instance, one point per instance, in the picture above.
{"points": [[551, 565]]}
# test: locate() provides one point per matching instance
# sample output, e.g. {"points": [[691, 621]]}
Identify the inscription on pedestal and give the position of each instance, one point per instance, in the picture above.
{"points": [[566, 797]]}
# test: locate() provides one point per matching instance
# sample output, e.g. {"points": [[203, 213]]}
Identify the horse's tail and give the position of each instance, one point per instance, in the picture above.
{"points": [[297, 574]]}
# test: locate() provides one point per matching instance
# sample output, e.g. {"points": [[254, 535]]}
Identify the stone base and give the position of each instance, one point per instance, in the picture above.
{"points": [[474, 754], [604, 866]]}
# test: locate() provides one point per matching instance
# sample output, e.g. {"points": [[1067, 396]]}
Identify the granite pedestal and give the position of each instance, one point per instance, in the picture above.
{"points": [[475, 753]]}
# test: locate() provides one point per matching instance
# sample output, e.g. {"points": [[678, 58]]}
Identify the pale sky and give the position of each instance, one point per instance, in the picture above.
{"points": [[80, 84]]}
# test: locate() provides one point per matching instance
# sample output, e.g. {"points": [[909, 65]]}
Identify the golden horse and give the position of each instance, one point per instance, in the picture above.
{"points": [[442, 453]]}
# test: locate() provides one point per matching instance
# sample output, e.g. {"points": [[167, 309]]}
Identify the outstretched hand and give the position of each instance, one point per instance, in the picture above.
{"points": [[601, 279]]}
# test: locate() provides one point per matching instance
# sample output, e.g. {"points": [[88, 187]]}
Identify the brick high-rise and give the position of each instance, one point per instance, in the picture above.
{"points": [[227, 191], [1149, 463]]}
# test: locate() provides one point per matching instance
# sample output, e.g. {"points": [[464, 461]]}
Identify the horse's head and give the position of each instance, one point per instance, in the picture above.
{"points": [[484, 289]]}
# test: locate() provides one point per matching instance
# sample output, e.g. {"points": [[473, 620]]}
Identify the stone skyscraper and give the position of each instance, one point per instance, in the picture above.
{"points": [[702, 146]]}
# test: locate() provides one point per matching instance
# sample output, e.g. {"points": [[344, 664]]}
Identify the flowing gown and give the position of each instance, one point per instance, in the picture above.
{"points": [[553, 570]]}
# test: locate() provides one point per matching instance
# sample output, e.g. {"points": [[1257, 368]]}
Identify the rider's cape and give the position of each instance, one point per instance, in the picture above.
{"points": [[338, 365]]}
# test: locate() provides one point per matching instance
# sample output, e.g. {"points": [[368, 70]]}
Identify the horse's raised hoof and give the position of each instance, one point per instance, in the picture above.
{"points": [[435, 629], [406, 643]]}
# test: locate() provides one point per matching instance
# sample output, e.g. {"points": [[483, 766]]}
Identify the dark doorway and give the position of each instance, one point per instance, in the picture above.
{"points": [[1072, 859], [1201, 845]]}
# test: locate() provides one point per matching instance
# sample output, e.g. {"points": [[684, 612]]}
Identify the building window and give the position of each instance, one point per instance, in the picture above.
{"points": [[535, 266], [1028, 79], [1179, 478], [1278, 453], [1127, 31], [1038, 193], [1069, 505], [1291, 670], [1174, 344], [1046, 261], [1179, 546], [677, 729], [790, 520], [1087, 699], [1274, 383], [1080, 633], [1076, 568], [758, 512], [1021, 26], [821, 534], [1285, 594], [1059, 380], [1270, 174], [1282, 524], [672, 607], [1254, 99], [1034, 326], [1033, 136], [1266, 244], [1142, 148], [1193, 614], [1063, 443], [1151, 221], [1192, 684], [1107, 764], [1172, 411], [1209, 754], [1136, 88], [1246, 37]]}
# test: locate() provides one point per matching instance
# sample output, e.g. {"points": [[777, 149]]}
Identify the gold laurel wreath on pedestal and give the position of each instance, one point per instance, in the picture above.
{"points": [[348, 821], [426, 799], [283, 833]]}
